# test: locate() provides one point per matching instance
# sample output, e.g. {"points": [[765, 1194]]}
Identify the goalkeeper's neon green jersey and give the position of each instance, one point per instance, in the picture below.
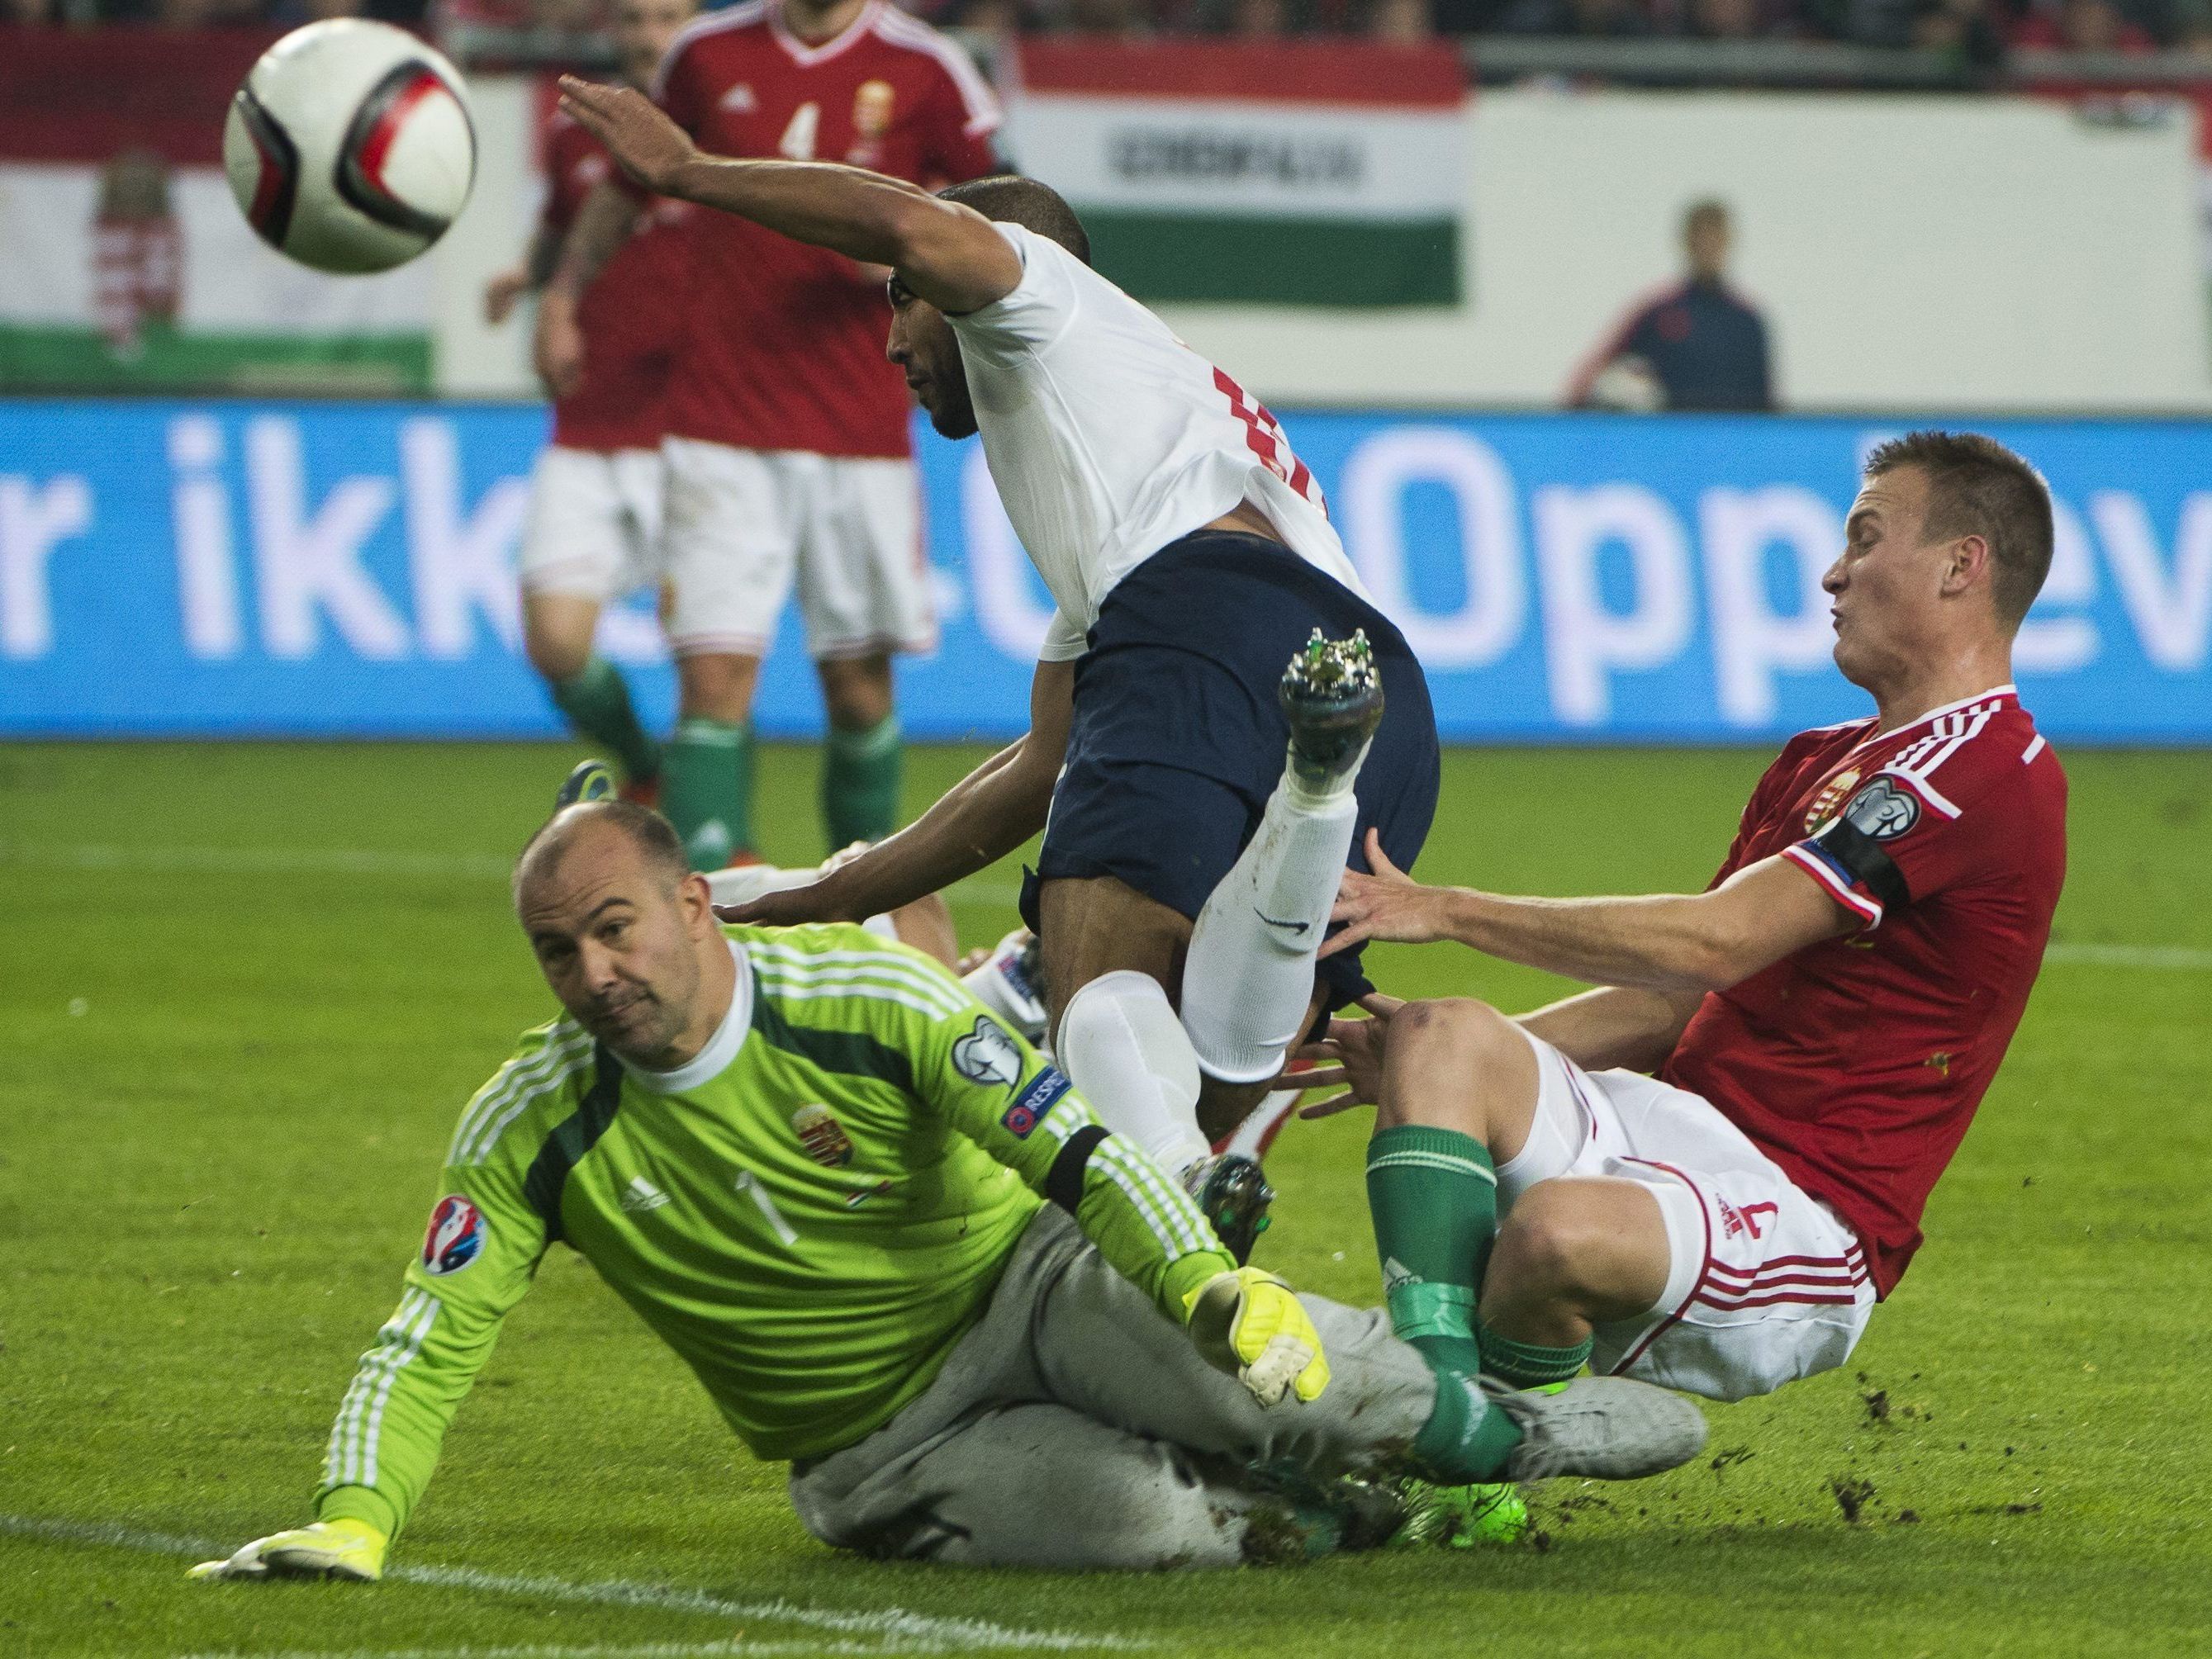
{"points": [[812, 1213]]}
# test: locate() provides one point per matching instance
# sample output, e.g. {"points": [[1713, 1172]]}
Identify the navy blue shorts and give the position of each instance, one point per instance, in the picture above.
{"points": [[1177, 740]]}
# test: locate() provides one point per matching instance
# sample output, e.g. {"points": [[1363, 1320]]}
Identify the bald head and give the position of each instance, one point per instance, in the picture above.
{"points": [[649, 836]]}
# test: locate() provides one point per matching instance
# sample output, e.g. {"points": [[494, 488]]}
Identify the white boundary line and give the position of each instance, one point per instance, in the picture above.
{"points": [[893, 1629], [337, 861], [2182, 958], [735, 1648]]}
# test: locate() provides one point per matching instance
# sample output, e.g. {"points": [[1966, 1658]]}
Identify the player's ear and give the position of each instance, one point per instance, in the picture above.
{"points": [[697, 899], [1967, 563]]}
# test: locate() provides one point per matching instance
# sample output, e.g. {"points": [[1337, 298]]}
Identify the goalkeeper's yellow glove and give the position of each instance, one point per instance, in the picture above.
{"points": [[327, 1549], [1249, 1324]]}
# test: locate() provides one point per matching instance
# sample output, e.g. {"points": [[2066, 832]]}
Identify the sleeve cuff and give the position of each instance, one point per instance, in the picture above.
{"points": [[359, 1503], [1812, 858], [1186, 1274]]}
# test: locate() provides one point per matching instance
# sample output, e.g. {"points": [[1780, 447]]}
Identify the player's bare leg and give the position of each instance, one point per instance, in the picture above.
{"points": [[861, 762], [707, 776], [1458, 1098], [557, 632]]}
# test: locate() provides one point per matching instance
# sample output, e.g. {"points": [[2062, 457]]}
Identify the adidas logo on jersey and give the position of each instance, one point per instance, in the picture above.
{"points": [[642, 1195]]}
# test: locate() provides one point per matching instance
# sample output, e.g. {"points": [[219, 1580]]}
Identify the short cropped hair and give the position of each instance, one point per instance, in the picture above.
{"points": [[1977, 487], [1705, 207], [1009, 197], [655, 839]]}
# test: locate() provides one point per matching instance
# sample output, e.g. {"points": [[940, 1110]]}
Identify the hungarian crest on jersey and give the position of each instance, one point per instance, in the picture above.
{"points": [[1830, 797], [823, 1136]]}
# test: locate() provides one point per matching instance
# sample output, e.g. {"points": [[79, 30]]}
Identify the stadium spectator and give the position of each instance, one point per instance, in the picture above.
{"points": [[1399, 22], [1698, 343]]}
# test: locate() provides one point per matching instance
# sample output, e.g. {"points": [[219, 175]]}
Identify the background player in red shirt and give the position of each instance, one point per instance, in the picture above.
{"points": [[595, 494], [789, 447], [1822, 1021]]}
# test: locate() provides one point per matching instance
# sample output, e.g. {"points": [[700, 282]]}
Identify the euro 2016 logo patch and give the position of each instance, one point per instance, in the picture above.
{"points": [[1882, 810], [823, 1137], [988, 1054], [456, 1236], [1033, 1103]]}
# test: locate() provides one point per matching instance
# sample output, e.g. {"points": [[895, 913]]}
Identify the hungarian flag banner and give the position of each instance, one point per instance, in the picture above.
{"points": [[124, 263], [1319, 173]]}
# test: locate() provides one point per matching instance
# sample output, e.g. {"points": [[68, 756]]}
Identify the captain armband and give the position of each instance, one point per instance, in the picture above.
{"points": [[1859, 858]]}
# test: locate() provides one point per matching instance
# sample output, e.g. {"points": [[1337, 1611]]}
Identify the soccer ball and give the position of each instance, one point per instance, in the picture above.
{"points": [[350, 146]]}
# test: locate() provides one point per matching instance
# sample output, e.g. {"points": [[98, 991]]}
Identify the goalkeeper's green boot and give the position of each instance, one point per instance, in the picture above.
{"points": [[1461, 1517]]}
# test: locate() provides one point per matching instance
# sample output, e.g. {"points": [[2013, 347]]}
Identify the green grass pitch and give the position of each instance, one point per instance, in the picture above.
{"points": [[245, 990]]}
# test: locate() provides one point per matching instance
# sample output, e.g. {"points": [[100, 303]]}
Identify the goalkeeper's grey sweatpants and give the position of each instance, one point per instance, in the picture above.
{"points": [[1075, 1427]]}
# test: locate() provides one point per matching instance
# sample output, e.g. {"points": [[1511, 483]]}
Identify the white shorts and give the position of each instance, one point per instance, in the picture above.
{"points": [[741, 522], [594, 525], [1768, 1284]]}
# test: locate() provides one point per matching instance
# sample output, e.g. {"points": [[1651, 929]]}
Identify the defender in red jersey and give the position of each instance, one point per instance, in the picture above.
{"points": [[1818, 1026], [787, 451], [595, 527]]}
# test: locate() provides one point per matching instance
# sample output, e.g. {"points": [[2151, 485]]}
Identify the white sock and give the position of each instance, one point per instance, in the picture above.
{"points": [[1249, 978], [1123, 1048]]}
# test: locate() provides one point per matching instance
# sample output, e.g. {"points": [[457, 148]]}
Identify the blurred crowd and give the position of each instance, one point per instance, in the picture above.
{"points": [[1980, 30]]}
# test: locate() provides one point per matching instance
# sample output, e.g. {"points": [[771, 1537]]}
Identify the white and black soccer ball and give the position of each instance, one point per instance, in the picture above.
{"points": [[350, 148]]}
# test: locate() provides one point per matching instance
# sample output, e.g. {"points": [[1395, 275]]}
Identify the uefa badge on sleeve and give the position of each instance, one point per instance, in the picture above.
{"points": [[987, 1055], [455, 1237]]}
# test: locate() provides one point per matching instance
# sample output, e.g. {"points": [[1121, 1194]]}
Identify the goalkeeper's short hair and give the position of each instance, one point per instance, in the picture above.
{"points": [[655, 838]]}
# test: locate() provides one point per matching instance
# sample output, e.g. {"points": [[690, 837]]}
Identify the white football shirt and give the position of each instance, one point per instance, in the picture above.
{"points": [[1109, 438]]}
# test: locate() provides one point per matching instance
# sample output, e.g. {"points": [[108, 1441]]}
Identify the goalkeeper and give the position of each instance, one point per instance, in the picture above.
{"points": [[819, 1171]]}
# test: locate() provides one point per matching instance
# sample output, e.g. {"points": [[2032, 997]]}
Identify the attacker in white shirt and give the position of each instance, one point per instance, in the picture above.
{"points": [[1187, 869]]}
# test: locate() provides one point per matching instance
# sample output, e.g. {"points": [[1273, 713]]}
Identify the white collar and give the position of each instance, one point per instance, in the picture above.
{"points": [[722, 1048], [822, 52], [2007, 689]]}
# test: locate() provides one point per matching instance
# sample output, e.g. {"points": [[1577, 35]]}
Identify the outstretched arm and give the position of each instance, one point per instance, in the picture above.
{"points": [[945, 254], [477, 1259], [1670, 943], [981, 819]]}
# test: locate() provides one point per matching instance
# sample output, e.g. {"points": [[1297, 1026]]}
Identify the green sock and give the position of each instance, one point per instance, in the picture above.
{"points": [[1467, 1439], [1526, 1364], [597, 703], [860, 782], [1434, 1199], [707, 789]]}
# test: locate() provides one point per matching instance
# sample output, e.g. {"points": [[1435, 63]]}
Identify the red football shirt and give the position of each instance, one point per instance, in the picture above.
{"points": [[625, 315], [1856, 1064], [784, 342]]}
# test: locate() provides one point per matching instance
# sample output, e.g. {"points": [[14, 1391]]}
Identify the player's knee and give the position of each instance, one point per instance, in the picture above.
{"points": [[1555, 1243], [716, 686], [556, 655], [1473, 1029], [856, 695]]}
